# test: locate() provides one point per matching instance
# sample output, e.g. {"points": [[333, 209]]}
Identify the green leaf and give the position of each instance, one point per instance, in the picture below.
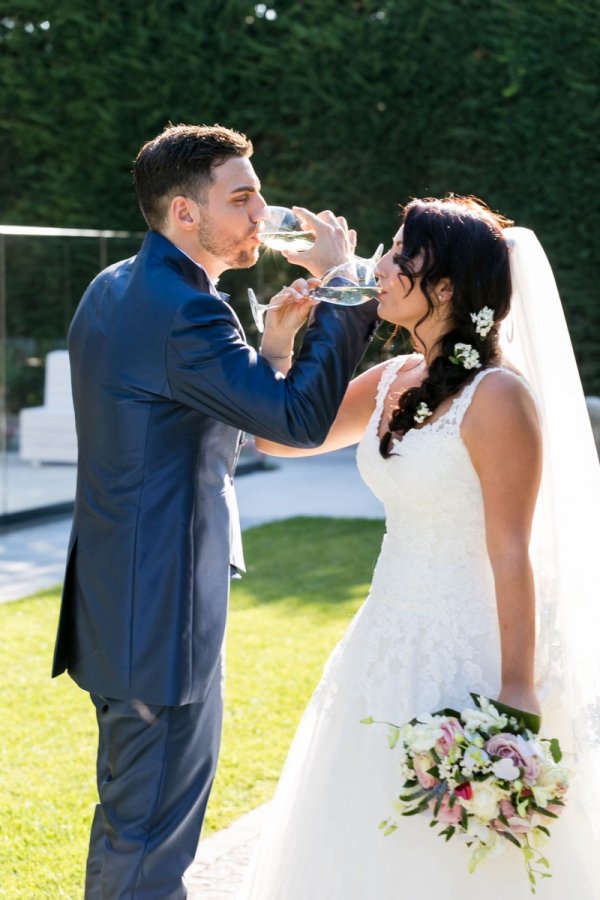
{"points": [[368, 721], [555, 750], [418, 809], [448, 712], [510, 837], [408, 798], [525, 719]]}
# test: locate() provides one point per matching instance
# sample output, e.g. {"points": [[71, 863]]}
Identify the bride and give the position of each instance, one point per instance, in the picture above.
{"points": [[478, 444]]}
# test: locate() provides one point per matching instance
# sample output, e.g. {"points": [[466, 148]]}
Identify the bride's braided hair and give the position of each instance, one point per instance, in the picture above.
{"points": [[461, 239]]}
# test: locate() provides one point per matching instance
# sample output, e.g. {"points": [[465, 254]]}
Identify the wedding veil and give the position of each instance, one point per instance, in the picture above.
{"points": [[565, 548]]}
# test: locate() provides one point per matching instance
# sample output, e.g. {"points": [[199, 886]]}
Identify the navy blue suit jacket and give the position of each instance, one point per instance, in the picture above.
{"points": [[164, 384]]}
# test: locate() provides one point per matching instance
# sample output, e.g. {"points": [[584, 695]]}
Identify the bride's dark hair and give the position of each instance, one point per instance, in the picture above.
{"points": [[461, 239]]}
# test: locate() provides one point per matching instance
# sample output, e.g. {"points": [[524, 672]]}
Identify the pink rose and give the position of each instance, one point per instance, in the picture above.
{"points": [[449, 815], [511, 746], [449, 731], [421, 765]]}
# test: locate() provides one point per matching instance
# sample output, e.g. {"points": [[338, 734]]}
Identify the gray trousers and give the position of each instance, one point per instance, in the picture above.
{"points": [[156, 766]]}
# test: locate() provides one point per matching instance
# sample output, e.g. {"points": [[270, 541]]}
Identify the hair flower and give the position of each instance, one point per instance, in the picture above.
{"points": [[484, 321], [466, 356], [422, 412]]}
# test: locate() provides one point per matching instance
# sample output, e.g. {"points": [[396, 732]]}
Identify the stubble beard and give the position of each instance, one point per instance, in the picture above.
{"points": [[227, 250]]}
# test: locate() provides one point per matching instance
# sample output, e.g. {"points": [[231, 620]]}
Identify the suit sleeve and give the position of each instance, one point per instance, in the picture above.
{"points": [[212, 369]]}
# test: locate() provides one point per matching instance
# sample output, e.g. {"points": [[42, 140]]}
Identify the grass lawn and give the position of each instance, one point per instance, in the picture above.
{"points": [[306, 578]]}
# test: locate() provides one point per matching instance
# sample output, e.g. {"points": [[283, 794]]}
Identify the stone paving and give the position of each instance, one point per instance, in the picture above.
{"points": [[222, 859]]}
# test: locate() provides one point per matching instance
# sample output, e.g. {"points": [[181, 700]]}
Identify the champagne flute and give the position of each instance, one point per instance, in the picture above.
{"points": [[282, 230], [348, 284]]}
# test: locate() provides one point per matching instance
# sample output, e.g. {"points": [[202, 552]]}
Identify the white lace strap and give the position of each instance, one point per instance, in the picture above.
{"points": [[463, 401], [389, 373]]}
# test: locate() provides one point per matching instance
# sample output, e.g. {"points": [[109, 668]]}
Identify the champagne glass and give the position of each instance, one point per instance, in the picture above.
{"points": [[282, 230], [348, 284]]}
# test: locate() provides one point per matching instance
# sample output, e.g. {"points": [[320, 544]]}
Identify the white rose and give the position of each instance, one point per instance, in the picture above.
{"points": [[485, 801]]}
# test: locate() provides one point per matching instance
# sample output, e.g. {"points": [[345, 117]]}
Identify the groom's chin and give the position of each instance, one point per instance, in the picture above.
{"points": [[246, 259]]}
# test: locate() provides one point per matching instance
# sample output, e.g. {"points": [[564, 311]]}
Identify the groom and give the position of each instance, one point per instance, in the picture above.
{"points": [[163, 384]]}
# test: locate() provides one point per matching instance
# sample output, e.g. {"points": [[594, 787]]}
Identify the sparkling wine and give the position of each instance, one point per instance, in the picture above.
{"points": [[345, 294], [287, 240]]}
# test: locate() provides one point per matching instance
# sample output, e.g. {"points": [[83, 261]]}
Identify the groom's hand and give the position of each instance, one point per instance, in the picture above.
{"points": [[334, 242]]}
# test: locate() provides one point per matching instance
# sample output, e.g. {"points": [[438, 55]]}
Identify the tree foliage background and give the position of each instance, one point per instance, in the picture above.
{"points": [[356, 106]]}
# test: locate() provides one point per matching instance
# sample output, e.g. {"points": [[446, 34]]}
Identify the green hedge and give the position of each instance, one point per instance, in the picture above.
{"points": [[357, 106]]}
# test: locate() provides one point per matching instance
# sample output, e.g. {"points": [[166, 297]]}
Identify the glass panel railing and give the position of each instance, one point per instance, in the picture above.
{"points": [[43, 273]]}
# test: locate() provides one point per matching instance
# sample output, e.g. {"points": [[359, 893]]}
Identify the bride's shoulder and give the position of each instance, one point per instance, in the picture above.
{"points": [[503, 382], [502, 398]]}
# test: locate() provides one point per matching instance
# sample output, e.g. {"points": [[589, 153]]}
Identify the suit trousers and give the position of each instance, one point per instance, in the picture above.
{"points": [[155, 769]]}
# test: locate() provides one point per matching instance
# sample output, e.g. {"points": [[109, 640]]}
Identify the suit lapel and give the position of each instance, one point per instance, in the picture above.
{"points": [[191, 271]]}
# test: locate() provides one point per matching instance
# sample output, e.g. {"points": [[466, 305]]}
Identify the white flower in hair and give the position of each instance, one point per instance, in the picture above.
{"points": [[466, 356], [484, 321], [422, 412]]}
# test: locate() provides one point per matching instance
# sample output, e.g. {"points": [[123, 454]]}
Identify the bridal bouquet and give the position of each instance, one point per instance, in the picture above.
{"points": [[485, 776]]}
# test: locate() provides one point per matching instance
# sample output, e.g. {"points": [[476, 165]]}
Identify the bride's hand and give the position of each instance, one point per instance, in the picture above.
{"points": [[523, 698], [291, 307]]}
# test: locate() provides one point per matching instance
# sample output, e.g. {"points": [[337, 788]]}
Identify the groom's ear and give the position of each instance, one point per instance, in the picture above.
{"points": [[184, 213]]}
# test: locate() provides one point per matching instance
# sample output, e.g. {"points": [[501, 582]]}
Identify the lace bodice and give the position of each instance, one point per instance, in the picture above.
{"points": [[433, 583], [429, 488]]}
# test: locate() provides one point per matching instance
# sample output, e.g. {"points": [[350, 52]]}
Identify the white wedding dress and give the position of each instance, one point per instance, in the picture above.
{"points": [[425, 638]]}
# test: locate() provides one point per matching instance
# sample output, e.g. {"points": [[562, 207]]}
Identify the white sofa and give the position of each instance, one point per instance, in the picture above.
{"points": [[47, 433]]}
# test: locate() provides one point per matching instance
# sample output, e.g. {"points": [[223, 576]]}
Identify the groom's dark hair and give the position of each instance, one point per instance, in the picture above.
{"points": [[180, 160]]}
